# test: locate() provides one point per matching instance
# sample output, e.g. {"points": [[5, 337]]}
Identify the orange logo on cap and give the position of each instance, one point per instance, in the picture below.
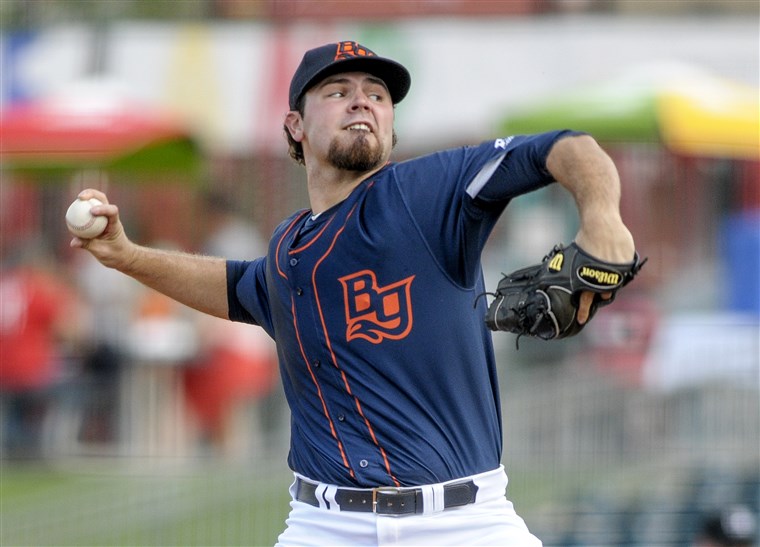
{"points": [[347, 50]]}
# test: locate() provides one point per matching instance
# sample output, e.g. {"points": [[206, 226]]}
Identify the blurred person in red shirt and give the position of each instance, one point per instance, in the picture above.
{"points": [[38, 313], [229, 383]]}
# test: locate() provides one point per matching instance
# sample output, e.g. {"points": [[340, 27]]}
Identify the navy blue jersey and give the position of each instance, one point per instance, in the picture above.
{"points": [[386, 362]]}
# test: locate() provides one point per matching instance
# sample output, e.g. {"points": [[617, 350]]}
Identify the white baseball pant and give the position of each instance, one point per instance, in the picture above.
{"points": [[491, 520]]}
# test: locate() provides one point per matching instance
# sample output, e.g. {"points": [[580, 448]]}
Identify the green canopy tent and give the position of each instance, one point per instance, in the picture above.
{"points": [[686, 110]]}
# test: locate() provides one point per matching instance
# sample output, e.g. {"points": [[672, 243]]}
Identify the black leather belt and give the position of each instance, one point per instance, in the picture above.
{"points": [[387, 500]]}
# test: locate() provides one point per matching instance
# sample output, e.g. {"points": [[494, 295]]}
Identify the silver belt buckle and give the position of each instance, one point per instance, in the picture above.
{"points": [[380, 489]]}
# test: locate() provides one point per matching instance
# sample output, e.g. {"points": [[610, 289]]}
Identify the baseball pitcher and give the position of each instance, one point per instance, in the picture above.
{"points": [[374, 296]]}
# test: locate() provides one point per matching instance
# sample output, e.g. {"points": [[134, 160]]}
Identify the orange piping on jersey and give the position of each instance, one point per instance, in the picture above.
{"points": [[279, 243], [319, 391], [332, 353], [315, 238], [374, 439]]}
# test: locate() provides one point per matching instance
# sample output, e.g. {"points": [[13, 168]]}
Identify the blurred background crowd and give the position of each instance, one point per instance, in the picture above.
{"points": [[128, 419]]}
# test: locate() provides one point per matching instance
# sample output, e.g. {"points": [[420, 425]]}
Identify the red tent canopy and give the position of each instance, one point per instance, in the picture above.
{"points": [[93, 126]]}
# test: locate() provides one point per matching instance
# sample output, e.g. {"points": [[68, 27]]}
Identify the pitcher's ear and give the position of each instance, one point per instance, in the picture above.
{"points": [[294, 125]]}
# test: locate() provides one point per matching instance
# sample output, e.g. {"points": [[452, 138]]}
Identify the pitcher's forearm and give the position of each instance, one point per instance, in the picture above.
{"points": [[588, 173], [197, 281], [581, 166]]}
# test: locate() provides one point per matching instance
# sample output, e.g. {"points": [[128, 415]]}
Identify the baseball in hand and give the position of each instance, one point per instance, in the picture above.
{"points": [[81, 222]]}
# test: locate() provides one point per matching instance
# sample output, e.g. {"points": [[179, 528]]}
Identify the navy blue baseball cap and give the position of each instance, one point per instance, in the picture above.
{"points": [[318, 63]]}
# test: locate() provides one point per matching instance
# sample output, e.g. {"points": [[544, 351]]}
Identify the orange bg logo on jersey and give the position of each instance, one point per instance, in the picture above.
{"points": [[375, 313]]}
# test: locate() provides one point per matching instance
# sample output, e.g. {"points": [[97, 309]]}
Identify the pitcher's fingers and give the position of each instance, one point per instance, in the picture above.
{"points": [[584, 306], [93, 193]]}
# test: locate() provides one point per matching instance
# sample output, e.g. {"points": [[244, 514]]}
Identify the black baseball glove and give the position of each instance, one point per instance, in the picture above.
{"points": [[541, 301]]}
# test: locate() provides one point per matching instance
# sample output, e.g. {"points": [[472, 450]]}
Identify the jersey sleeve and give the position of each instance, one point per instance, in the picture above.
{"points": [[247, 296], [520, 169], [456, 196]]}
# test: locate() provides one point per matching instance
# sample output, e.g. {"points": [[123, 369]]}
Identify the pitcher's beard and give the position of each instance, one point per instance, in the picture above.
{"points": [[358, 156]]}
